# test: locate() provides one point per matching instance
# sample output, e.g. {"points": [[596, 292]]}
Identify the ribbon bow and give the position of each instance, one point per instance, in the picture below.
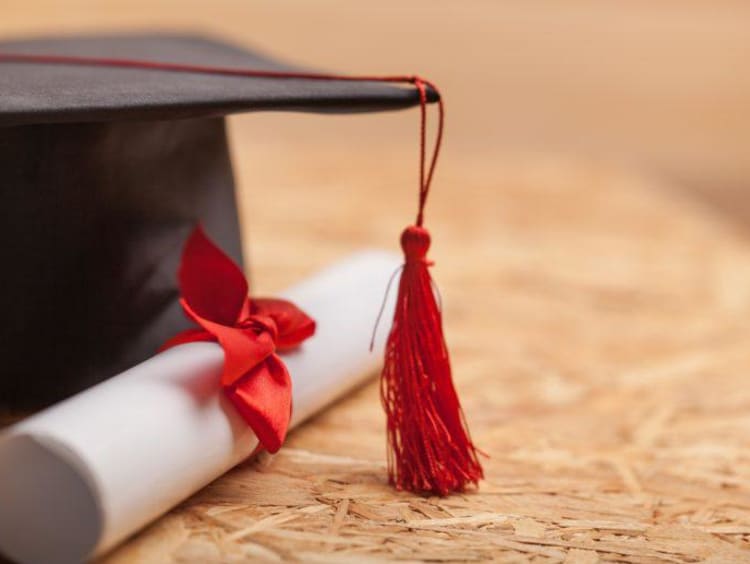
{"points": [[214, 294]]}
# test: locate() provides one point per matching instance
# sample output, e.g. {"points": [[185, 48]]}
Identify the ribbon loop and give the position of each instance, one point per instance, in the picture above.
{"points": [[254, 378]]}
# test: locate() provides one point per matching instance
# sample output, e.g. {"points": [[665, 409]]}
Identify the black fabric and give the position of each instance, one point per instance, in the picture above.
{"points": [[35, 93], [93, 221]]}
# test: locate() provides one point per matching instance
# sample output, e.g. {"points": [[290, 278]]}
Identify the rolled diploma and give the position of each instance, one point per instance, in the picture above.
{"points": [[84, 474]]}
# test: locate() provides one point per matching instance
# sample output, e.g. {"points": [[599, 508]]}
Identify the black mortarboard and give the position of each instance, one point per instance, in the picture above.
{"points": [[104, 172]]}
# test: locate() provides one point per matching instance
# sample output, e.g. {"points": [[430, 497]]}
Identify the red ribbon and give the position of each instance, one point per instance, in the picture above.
{"points": [[214, 294]]}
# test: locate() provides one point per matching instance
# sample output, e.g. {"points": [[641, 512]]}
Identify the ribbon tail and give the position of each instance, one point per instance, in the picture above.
{"points": [[263, 397]]}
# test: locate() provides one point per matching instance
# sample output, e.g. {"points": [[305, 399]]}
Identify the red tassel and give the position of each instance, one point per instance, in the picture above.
{"points": [[430, 449]]}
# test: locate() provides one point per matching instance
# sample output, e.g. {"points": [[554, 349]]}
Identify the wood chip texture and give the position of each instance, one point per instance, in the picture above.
{"points": [[599, 322]]}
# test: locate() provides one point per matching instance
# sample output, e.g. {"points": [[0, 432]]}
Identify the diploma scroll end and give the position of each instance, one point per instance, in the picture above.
{"points": [[49, 508]]}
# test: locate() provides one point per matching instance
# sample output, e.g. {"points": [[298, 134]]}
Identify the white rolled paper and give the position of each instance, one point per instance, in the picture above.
{"points": [[84, 474]]}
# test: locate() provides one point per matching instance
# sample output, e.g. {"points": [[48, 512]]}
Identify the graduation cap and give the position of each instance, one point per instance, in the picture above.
{"points": [[111, 150]]}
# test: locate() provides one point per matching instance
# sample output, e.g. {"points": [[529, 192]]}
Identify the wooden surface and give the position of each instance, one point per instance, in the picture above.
{"points": [[597, 311], [601, 343]]}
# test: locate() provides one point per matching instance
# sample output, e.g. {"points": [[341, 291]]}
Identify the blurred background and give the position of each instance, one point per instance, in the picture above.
{"points": [[663, 86]]}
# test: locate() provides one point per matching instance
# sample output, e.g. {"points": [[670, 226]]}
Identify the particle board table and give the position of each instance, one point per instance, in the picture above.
{"points": [[599, 322]]}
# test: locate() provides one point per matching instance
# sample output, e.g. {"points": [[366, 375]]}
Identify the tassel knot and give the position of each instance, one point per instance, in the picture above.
{"points": [[415, 241]]}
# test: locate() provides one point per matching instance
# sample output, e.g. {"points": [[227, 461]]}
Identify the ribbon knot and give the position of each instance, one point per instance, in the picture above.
{"points": [[257, 324], [214, 294]]}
